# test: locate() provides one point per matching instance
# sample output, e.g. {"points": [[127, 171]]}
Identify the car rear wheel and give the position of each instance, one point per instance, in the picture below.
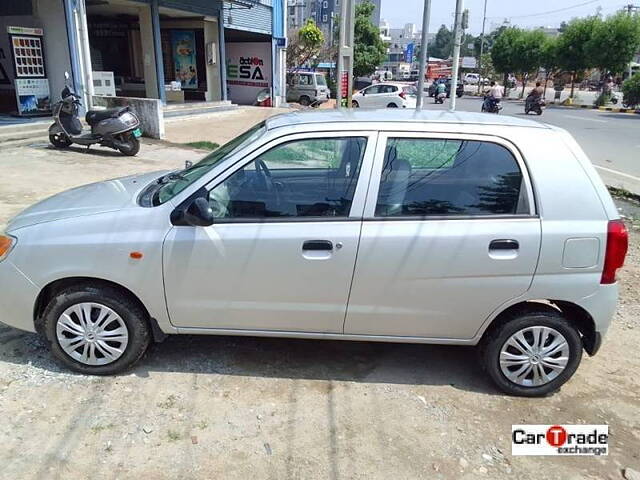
{"points": [[355, 104], [392, 105], [305, 101], [96, 330], [532, 353]]}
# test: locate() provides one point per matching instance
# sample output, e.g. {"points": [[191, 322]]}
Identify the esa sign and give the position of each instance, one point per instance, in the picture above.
{"points": [[248, 70]]}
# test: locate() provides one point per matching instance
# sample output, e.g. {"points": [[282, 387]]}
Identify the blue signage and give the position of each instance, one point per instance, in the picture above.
{"points": [[408, 53]]}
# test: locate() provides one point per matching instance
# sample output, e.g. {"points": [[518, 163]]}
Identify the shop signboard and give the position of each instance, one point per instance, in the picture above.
{"points": [[248, 70], [183, 44]]}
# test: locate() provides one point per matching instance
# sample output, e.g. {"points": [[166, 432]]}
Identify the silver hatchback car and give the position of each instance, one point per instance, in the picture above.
{"points": [[395, 226]]}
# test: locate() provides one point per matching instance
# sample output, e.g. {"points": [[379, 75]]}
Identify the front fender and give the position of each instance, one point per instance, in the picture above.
{"points": [[55, 129]]}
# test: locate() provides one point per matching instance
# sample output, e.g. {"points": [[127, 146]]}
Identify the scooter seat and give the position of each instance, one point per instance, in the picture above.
{"points": [[94, 116]]}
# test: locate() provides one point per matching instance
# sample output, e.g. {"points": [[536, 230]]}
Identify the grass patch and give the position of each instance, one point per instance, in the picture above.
{"points": [[624, 194], [99, 428], [173, 436], [202, 424], [203, 145]]}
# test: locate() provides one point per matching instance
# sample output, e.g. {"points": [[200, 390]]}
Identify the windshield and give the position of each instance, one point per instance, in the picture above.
{"points": [[172, 184], [321, 81]]}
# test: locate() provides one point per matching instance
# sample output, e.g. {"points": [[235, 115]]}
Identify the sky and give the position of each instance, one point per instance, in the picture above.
{"points": [[525, 14]]}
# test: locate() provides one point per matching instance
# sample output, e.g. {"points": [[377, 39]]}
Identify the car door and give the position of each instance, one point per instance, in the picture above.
{"points": [[450, 234], [370, 97], [281, 252]]}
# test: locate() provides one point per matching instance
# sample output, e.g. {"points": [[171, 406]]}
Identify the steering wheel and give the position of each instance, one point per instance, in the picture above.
{"points": [[264, 177], [265, 181]]}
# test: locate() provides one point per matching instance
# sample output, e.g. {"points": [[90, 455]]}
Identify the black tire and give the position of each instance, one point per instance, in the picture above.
{"points": [[526, 111], [60, 140], [392, 105], [355, 104], [129, 145], [539, 111], [483, 109], [134, 317], [544, 317], [305, 101]]}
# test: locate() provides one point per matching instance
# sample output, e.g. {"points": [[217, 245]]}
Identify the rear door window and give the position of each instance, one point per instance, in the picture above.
{"points": [[424, 177]]}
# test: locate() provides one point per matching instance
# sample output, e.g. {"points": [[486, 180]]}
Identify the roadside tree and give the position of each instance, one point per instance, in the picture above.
{"points": [[572, 53], [369, 49], [631, 91], [505, 52], [614, 42], [304, 45]]}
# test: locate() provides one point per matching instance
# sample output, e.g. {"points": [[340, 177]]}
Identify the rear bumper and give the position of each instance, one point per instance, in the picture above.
{"points": [[17, 297]]}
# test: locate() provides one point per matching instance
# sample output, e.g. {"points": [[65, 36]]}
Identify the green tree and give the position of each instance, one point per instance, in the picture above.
{"points": [[614, 42], [529, 51], [369, 49], [549, 59], [572, 53], [631, 91], [304, 45], [442, 45], [506, 50]]}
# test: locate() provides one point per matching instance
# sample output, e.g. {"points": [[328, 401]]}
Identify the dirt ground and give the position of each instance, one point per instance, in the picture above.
{"points": [[237, 408]]}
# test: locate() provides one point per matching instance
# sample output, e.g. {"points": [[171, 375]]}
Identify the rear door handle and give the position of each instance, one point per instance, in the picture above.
{"points": [[317, 245], [506, 244]]}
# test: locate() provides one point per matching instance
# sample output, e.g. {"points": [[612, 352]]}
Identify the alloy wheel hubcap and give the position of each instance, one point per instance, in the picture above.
{"points": [[92, 334], [534, 356]]}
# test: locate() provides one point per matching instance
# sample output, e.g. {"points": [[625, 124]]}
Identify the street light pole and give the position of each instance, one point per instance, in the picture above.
{"points": [[457, 36], [484, 20], [424, 57]]}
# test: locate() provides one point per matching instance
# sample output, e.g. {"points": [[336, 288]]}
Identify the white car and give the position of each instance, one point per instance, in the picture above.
{"points": [[473, 79], [393, 226], [385, 95]]}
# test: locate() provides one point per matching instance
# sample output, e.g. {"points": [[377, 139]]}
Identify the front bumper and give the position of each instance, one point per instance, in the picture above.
{"points": [[17, 297]]}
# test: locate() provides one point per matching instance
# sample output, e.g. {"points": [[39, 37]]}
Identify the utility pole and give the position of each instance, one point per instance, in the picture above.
{"points": [[457, 38], [424, 57], [484, 20], [345, 54]]}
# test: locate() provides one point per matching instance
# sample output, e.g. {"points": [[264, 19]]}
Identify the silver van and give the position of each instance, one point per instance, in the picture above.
{"points": [[392, 226], [307, 88]]}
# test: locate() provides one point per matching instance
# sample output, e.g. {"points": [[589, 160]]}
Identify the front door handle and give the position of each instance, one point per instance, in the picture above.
{"points": [[317, 245], [504, 244]]}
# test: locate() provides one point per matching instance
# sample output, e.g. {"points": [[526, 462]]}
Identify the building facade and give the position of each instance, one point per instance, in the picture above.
{"points": [[212, 50]]}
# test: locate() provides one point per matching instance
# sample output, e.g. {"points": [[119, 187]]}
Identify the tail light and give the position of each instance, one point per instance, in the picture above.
{"points": [[617, 244], [403, 95]]}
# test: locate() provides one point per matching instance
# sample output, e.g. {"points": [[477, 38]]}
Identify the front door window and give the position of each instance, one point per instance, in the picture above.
{"points": [[302, 178]]}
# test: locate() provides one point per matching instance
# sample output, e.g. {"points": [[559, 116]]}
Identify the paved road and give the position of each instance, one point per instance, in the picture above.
{"points": [[611, 140]]}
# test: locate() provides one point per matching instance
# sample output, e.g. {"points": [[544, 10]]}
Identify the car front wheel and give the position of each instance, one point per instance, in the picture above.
{"points": [[533, 353], [96, 330]]}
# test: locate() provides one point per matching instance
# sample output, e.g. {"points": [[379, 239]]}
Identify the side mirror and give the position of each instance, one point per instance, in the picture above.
{"points": [[197, 214]]}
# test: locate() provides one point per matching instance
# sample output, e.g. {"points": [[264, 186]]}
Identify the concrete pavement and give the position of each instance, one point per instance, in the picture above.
{"points": [[611, 140]]}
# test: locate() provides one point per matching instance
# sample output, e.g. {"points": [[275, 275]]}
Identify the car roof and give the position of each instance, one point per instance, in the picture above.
{"points": [[392, 115]]}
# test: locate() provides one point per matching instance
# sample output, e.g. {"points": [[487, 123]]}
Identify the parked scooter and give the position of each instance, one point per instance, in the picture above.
{"points": [[534, 104], [491, 105], [117, 128], [440, 97]]}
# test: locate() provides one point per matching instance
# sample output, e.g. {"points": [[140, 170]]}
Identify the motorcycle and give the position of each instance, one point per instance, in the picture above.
{"points": [[532, 104], [439, 98], [491, 105], [117, 128]]}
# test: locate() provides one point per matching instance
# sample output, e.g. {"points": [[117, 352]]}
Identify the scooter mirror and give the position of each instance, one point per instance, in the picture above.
{"points": [[66, 75]]}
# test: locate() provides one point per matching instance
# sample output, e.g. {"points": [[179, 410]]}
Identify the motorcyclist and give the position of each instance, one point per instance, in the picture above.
{"points": [[536, 93], [441, 88], [493, 95]]}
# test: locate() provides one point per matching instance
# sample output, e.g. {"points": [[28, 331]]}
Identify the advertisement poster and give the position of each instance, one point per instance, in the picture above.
{"points": [[183, 43], [248, 70], [33, 96]]}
